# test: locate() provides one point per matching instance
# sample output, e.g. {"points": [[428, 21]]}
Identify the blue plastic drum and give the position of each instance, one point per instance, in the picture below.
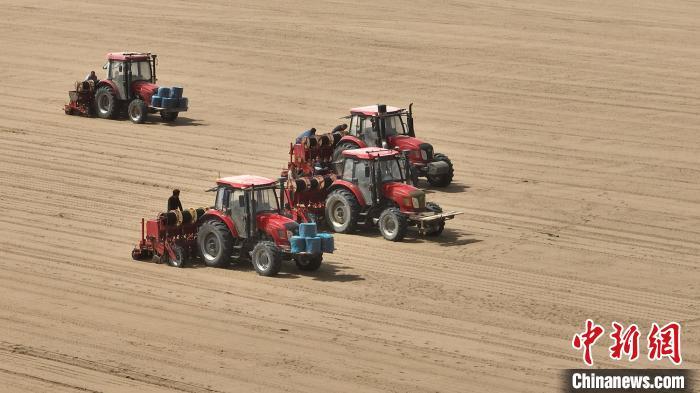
{"points": [[156, 101], [313, 245], [168, 103], [307, 229], [163, 92], [176, 92], [183, 103], [298, 244], [327, 242]]}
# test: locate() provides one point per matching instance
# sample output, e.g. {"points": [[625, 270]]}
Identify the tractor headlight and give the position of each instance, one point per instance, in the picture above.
{"points": [[424, 155], [418, 202], [281, 233], [290, 234]]}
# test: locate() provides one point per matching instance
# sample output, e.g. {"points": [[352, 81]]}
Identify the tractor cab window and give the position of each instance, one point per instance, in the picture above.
{"points": [[368, 132], [266, 200], [238, 211], [141, 70], [347, 169], [364, 182], [116, 70], [389, 171], [354, 128], [394, 126], [222, 195]]}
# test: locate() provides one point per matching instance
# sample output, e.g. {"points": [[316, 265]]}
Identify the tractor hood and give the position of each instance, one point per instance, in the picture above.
{"points": [[404, 195], [145, 90], [275, 225], [404, 142]]}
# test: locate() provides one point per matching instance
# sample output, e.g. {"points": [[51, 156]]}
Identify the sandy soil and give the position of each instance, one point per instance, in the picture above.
{"points": [[573, 127]]}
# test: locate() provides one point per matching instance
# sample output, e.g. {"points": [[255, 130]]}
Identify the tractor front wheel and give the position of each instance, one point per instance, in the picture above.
{"points": [[444, 179], [393, 224], [168, 116], [342, 211], [137, 111], [266, 259], [215, 243], [308, 263], [180, 257], [106, 103]]}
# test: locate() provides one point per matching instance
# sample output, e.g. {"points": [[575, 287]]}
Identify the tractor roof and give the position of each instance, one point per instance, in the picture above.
{"points": [[123, 56], [372, 110], [245, 181], [367, 153]]}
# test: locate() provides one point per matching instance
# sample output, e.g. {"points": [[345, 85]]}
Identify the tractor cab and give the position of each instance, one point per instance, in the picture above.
{"points": [[243, 197], [374, 171], [375, 123], [127, 71]]}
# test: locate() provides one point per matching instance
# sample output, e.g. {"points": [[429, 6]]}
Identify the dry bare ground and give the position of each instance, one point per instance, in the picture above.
{"points": [[573, 127]]}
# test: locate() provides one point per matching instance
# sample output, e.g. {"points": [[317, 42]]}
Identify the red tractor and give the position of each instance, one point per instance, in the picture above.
{"points": [[130, 85], [392, 127], [245, 221], [369, 189]]}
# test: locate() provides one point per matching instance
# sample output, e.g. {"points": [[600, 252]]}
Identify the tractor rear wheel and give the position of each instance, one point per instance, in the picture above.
{"points": [[215, 243], [180, 257], [266, 258], [137, 111], [342, 211], [338, 155], [393, 224], [168, 116], [106, 103], [445, 179], [309, 263]]}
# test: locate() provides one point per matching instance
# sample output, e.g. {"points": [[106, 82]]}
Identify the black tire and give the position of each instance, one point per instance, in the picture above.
{"points": [[436, 229], [168, 116], [443, 180], [266, 258], [215, 243], [106, 103], [140, 255], [308, 263], [433, 207], [338, 155], [137, 111], [180, 257], [342, 211], [393, 224]]}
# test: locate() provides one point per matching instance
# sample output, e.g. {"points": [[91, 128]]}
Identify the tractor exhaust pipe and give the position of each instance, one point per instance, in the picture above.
{"points": [[381, 111], [409, 121], [153, 67], [282, 181]]}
